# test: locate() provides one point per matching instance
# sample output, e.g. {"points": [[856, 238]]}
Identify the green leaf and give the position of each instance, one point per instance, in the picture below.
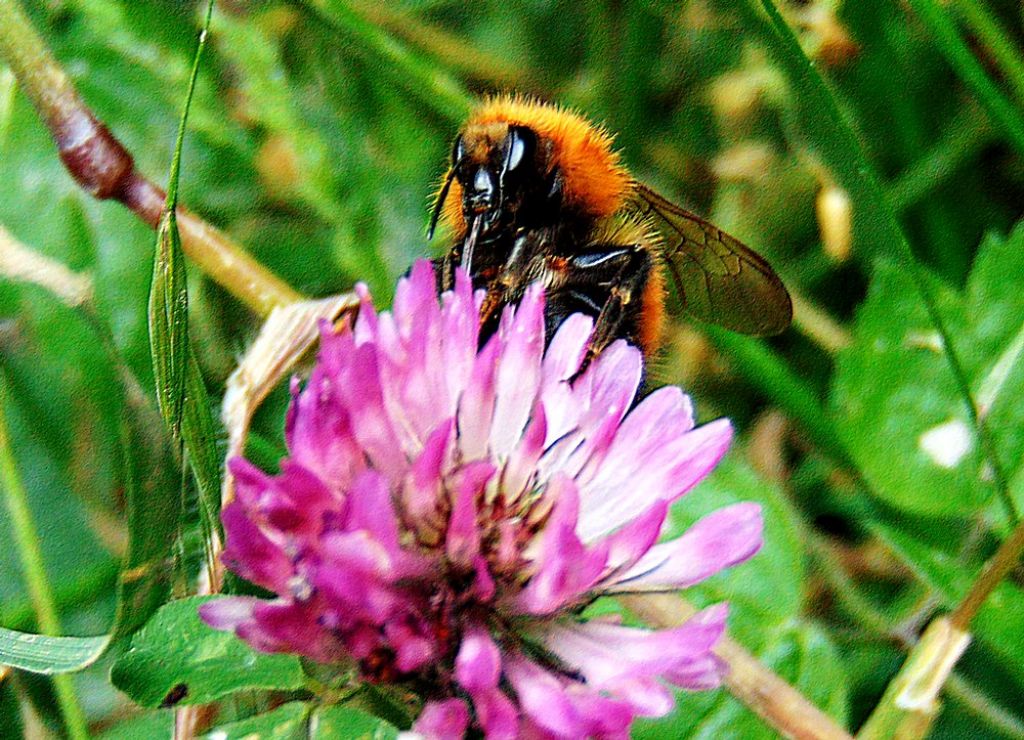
{"points": [[177, 659], [168, 323], [200, 433], [897, 407], [801, 654], [286, 722], [49, 655], [348, 722], [300, 719], [876, 229]]}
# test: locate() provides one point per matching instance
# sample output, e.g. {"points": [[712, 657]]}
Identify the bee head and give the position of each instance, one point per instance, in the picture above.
{"points": [[503, 176], [500, 169]]}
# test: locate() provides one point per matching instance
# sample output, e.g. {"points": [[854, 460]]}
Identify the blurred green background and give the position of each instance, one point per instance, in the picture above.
{"points": [[317, 135]]}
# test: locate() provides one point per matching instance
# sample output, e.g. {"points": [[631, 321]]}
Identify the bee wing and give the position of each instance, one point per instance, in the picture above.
{"points": [[719, 280]]}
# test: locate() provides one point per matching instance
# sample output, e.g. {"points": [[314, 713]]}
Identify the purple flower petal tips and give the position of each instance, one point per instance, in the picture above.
{"points": [[444, 510]]}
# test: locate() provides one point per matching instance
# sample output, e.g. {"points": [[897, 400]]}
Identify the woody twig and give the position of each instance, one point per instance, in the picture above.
{"points": [[103, 167]]}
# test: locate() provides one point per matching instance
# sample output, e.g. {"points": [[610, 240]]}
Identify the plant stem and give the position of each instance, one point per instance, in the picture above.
{"points": [[969, 69], [26, 538], [933, 658], [963, 139], [983, 708], [1002, 48], [994, 571], [455, 52], [431, 84], [876, 623], [762, 690], [102, 166], [171, 203], [910, 703]]}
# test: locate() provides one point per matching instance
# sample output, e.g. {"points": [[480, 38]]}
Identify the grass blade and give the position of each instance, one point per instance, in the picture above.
{"points": [[152, 502], [27, 543], [969, 69], [838, 146], [181, 393], [168, 323], [153, 511], [432, 84]]}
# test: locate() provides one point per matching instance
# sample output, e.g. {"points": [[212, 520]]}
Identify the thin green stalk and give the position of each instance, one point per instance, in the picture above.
{"points": [[1004, 50], [962, 140], [180, 387], [877, 624], [26, 538], [191, 422], [910, 704], [179, 142], [970, 70], [453, 51], [432, 85], [975, 702], [840, 150], [931, 660]]}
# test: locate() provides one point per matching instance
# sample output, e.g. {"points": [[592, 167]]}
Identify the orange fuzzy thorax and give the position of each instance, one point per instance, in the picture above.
{"points": [[595, 182]]}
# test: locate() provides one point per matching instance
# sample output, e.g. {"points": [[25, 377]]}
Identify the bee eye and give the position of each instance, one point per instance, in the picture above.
{"points": [[458, 151], [519, 145]]}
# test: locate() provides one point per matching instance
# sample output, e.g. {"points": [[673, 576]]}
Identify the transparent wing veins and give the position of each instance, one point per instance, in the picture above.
{"points": [[719, 280]]}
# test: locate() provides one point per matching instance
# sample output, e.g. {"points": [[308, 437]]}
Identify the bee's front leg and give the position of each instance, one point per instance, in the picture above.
{"points": [[444, 270]]}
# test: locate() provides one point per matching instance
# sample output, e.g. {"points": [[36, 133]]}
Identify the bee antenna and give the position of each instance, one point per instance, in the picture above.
{"points": [[439, 203]]}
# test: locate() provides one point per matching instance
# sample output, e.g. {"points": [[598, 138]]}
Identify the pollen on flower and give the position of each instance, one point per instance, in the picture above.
{"points": [[445, 509]]}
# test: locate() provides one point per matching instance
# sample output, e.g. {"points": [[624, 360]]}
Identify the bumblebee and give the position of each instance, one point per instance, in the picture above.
{"points": [[535, 192]]}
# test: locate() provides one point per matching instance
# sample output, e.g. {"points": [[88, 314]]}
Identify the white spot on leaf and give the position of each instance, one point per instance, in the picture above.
{"points": [[947, 443]]}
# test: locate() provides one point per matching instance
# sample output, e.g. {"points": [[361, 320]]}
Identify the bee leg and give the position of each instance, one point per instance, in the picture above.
{"points": [[619, 275], [444, 272]]}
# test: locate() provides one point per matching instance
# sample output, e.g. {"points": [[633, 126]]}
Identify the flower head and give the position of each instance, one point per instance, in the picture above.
{"points": [[445, 513]]}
